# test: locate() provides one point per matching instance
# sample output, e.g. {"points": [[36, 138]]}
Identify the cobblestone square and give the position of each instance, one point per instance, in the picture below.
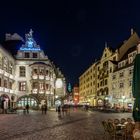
{"points": [[79, 125]]}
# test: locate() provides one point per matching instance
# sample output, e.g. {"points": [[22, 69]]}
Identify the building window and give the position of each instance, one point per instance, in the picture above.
{"points": [[41, 86], [35, 85], [130, 71], [10, 85], [5, 83], [47, 86], [27, 55], [121, 74], [106, 82], [34, 55], [113, 77], [121, 85], [22, 86], [130, 83], [22, 71], [41, 71]]}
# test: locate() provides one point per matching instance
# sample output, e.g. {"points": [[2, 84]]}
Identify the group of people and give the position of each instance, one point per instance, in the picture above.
{"points": [[65, 109], [44, 108]]}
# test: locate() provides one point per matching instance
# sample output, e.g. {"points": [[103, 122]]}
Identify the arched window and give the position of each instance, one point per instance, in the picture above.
{"points": [[23, 101]]}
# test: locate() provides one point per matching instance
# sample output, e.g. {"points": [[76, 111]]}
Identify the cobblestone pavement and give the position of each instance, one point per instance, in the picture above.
{"points": [[79, 125]]}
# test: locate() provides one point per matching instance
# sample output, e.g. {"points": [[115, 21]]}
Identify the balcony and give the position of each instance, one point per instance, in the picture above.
{"points": [[11, 77], [6, 74], [35, 76], [41, 77], [11, 91], [34, 91], [6, 90], [1, 71], [1, 88], [41, 91], [47, 78]]}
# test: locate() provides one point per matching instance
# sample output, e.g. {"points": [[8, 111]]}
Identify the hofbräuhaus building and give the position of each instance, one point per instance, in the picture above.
{"points": [[29, 77]]}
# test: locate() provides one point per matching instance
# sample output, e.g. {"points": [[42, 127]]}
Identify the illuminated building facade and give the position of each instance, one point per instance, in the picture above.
{"points": [[97, 81], [29, 77], [88, 86]]}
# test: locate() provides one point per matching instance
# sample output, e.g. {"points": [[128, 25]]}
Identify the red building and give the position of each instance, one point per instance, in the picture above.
{"points": [[76, 94]]}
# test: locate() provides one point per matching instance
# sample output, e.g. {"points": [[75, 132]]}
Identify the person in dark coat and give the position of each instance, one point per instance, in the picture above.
{"points": [[59, 110], [27, 108], [45, 108]]}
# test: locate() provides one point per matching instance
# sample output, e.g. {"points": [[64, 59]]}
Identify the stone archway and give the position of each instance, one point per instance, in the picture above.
{"points": [[5, 98], [30, 100]]}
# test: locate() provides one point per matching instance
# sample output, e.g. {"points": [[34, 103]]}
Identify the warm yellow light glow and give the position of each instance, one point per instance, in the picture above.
{"points": [[59, 83]]}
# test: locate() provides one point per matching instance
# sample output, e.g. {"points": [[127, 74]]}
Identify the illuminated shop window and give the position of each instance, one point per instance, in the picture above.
{"points": [[22, 71], [35, 71], [27, 100], [22, 86]]}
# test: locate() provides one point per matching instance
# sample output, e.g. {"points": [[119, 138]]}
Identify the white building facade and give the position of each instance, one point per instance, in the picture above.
{"points": [[29, 78]]}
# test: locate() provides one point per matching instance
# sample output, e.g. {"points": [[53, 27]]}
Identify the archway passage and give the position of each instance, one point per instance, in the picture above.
{"points": [[24, 100], [4, 98]]}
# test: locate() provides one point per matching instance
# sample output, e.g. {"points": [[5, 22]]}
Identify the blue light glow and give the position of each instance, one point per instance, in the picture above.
{"points": [[30, 49], [30, 44]]}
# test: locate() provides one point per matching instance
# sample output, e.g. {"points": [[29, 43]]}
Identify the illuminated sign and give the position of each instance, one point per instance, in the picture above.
{"points": [[30, 44]]}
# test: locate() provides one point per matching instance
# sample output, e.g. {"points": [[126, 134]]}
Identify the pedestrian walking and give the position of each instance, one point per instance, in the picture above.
{"points": [[27, 108], [45, 108], [42, 108], [59, 111]]}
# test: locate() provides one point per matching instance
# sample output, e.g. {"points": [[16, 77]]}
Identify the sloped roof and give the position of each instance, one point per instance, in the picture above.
{"points": [[11, 46], [125, 56]]}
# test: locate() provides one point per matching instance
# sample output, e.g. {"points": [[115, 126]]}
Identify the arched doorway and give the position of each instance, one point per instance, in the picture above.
{"points": [[24, 100], [4, 98]]}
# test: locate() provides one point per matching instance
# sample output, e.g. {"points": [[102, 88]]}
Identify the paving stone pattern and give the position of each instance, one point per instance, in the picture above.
{"points": [[79, 125]]}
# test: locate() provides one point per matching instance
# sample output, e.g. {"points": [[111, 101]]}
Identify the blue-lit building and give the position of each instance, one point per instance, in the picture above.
{"points": [[29, 77]]}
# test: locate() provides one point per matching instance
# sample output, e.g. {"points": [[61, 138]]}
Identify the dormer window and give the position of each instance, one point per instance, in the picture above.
{"points": [[27, 55], [34, 55]]}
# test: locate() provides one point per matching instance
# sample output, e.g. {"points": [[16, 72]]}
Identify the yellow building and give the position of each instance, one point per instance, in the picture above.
{"points": [[88, 86], [95, 84]]}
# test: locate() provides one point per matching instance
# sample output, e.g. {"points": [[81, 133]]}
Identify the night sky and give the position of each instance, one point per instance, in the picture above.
{"points": [[72, 33]]}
